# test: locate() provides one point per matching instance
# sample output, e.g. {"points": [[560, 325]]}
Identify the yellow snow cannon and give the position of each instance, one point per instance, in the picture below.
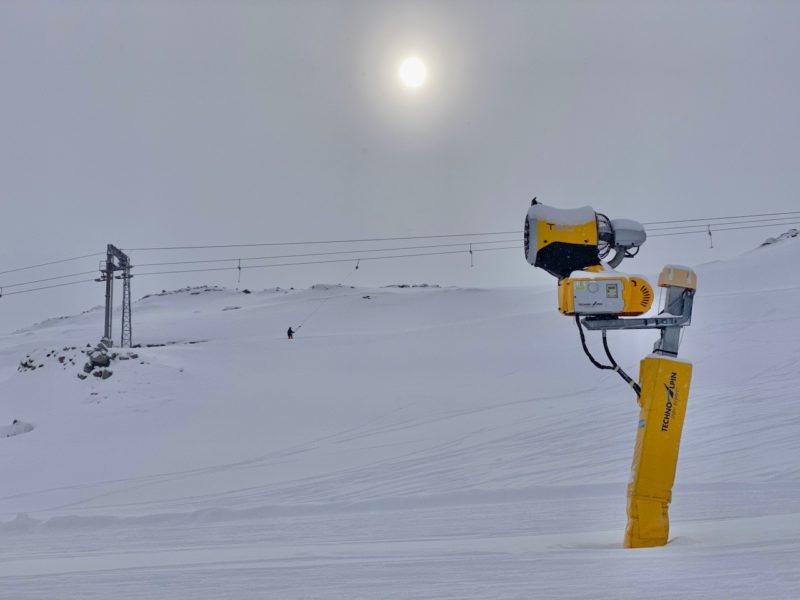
{"points": [[574, 246], [561, 241]]}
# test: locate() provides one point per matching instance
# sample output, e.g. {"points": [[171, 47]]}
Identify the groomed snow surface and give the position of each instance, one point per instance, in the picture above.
{"points": [[409, 443]]}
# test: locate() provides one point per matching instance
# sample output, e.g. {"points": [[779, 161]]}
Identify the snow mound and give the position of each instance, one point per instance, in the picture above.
{"points": [[328, 286], [191, 290], [792, 233], [16, 428]]}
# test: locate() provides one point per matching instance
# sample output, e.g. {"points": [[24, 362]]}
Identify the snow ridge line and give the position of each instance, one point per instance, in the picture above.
{"points": [[24, 523]]}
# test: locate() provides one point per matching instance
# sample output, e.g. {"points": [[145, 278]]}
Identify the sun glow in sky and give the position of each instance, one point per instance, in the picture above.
{"points": [[413, 72]]}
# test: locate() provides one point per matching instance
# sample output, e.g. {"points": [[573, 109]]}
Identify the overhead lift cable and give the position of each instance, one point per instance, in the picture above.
{"points": [[317, 262], [306, 243], [775, 220], [707, 225], [47, 287], [23, 283], [775, 214], [350, 252], [450, 235], [718, 229], [679, 223], [331, 253], [52, 262]]}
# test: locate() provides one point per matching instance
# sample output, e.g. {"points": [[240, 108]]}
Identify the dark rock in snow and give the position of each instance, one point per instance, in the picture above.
{"points": [[100, 360]]}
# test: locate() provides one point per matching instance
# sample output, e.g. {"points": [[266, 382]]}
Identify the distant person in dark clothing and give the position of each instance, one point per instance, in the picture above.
{"points": [[290, 333]]}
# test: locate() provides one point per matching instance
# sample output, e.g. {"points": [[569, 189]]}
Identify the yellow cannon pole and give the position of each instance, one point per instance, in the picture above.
{"points": [[664, 382], [665, 389]]}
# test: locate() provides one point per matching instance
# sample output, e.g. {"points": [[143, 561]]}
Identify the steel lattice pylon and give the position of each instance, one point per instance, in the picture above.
{"points": [[116, 260], [125, 340]]}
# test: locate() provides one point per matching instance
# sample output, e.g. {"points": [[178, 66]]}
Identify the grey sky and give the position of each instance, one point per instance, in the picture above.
{"points": [[167, 123]]}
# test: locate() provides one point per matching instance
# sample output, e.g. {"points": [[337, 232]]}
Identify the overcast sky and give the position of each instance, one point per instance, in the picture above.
{"points": [[159, 123]]}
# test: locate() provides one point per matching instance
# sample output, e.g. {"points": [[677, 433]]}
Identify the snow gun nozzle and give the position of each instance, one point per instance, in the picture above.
{"points": [[562, 241]]}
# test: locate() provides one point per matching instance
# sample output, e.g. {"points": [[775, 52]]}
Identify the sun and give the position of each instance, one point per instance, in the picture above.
{"points": [[412, 72]]}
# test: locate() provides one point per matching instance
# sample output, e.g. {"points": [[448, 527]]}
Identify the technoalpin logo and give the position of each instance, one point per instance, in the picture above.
{"points": [[670, 401]]}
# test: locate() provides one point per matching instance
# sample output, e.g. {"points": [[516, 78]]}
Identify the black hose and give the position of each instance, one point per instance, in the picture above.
{"points": [[586, 348], [613, 366], [623, 374]]}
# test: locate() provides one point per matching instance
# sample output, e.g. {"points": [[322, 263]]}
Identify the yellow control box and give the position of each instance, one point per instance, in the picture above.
{"points": [[618, 295], [665, 390]]}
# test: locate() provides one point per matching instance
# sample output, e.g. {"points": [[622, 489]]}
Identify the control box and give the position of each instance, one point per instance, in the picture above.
{"points": [[619, 296]]}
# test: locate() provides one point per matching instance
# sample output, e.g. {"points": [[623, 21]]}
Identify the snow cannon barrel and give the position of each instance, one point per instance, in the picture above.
{"points": [[561, 241]]}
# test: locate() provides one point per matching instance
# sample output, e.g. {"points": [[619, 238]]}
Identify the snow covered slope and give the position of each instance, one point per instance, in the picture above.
{"points": [[409, 443]]}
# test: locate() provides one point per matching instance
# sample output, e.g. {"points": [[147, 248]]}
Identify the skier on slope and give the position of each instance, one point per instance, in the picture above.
{"points": [[290, 333]]}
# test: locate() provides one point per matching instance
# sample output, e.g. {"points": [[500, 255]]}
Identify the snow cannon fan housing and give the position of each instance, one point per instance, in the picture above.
{"points": [[561, 241]]}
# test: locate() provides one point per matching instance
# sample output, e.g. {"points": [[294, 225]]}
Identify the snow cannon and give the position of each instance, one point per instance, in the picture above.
{"points": [[574, 245], [561, 241]]}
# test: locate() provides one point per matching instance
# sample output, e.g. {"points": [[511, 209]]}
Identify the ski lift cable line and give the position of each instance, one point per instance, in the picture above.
{"points": [[419, 237], [47, 287], [63, 260], [686, 222], [775, 214], [335, 252], [775, 220], [338, 260], [333, 260], [344, 241], [448, 252], [720, 226], [52, 262], [23, 283], [703, 231]]}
